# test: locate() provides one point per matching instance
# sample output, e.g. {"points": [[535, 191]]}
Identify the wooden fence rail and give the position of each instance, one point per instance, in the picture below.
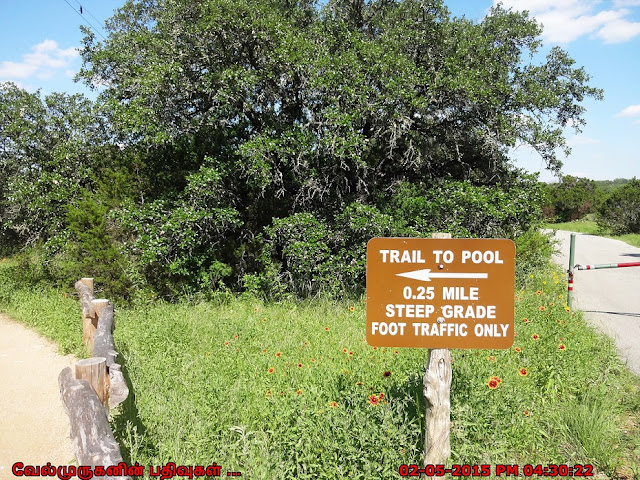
{"points": [[98, 326], [97, 386]]}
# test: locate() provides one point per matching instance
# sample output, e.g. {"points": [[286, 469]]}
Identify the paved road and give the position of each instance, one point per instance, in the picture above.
{"points": [[610, 297]]}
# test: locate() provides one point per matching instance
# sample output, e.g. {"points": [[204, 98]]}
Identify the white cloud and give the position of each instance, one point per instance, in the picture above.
{"points": [[619, 30], [567, 20], [630, 111], [11, 70], [44, 60], [626, 3], [581, 140]]}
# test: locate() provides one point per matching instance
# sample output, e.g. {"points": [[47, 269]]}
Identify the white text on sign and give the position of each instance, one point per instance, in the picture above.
{"points": [[447, 311], [444, 256], [441, 329]]}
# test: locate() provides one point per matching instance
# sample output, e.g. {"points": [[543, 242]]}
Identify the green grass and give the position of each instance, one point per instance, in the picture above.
{"points": [[202, 391], [590, 227]]}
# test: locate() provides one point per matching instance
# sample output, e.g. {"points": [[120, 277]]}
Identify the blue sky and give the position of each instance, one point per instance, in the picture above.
{"points": [[39, 38]]}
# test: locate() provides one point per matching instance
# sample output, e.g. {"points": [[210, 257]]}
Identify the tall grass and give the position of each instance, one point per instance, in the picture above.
{"points": [[292, 389]]}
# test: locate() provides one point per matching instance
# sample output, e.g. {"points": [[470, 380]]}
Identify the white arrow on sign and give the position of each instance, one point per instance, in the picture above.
{"points": [[426, 275]]}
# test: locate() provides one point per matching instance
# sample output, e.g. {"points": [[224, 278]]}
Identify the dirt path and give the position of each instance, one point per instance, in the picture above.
{"points": [[33, 426], [610, 298]]}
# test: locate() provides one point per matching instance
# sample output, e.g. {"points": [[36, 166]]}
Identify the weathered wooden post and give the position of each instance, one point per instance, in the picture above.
{"points": [[437, 393], [101, 313], [89, 322], [94, 371]]}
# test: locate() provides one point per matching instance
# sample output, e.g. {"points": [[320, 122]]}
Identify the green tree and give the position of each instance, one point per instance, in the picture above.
{"points": [[285, 108], [620, 212], [572, 198], [50, 148], [315, 106]]}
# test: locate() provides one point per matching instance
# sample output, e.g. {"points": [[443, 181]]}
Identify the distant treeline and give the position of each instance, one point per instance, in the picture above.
{"points": [[615, 203]]}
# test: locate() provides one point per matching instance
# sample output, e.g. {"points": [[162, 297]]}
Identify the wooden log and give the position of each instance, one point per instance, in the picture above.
{"points": [[119, 391], [85, 293], [91, 433], [103, 344], [89, 323], [437, 393], [94, 371]]}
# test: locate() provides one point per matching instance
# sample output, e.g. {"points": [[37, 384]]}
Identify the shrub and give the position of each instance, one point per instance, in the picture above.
{"points": [[329, 256], [303, 244], [467, 210], [620, 212], [175, 248], [533, 249], [571, 199]]}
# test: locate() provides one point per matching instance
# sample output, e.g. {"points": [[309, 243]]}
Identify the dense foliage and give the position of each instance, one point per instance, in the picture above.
{"points": [[260, 144], [620, 212], [571, 199], [615, 204]]}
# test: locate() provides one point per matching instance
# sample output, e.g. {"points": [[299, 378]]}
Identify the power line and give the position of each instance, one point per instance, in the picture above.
{"points": [[82, 16], [91, 14]]}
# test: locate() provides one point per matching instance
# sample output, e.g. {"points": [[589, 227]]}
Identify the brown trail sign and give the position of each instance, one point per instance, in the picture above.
{"points": [[440, 293]]}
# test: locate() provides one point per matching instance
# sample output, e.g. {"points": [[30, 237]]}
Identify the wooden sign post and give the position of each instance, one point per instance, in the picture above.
{"points": [[440, 293], [437, 393]]}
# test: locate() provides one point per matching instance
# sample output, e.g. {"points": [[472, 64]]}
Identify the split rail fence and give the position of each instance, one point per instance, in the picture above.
{"points": [[98, 385]]}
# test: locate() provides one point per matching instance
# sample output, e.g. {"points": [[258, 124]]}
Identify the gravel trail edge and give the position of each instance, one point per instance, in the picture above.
{"points": [[34, 429]]}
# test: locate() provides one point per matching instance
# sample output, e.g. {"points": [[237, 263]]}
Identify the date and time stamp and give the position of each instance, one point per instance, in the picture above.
{"points": [[551, 470]]}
